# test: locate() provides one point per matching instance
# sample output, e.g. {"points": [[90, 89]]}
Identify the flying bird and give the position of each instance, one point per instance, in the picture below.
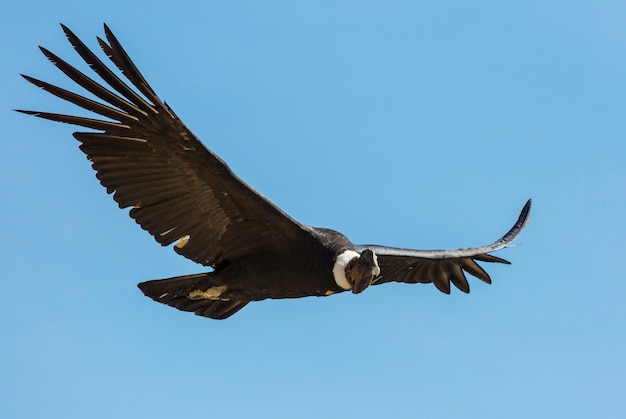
{"points": [[181, 192]]}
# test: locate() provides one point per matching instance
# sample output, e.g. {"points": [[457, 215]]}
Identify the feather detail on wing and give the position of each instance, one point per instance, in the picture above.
{"points": [[442, 267], [149, 160]]}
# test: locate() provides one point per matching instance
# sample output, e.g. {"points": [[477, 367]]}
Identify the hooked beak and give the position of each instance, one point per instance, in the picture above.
{"points": [[360, 285], [365, 281]]}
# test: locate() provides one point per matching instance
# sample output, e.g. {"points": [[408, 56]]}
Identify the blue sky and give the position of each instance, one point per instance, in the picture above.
{"points": [[411, 124]]}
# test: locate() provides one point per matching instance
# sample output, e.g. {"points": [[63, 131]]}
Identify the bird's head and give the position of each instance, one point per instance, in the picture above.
{"points": [[361, 271]]}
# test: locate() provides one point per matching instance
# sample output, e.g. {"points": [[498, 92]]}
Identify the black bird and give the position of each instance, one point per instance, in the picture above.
{"points": [[179, 191]]}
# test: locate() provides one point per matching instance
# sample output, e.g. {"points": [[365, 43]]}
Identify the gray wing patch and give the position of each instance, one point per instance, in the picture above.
{"points": [[501, 243], [443, 267]]}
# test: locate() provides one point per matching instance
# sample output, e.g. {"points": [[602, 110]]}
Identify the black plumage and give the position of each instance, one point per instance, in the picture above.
{"points": [[179, 191]]}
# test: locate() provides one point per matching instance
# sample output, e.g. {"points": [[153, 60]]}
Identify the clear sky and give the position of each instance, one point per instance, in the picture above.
{"points": [[403, 123]]}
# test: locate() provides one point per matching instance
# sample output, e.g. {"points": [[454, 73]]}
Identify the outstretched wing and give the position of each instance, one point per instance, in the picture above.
{"points": [[150, 161], [442, 266]]}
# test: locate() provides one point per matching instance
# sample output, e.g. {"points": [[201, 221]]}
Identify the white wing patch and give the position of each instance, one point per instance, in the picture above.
{"points": [[213, 293], [339, 268]]}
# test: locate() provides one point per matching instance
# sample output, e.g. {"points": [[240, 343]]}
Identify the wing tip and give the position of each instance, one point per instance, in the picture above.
{"points": [[526, 210], [524, 215], [518, 227], [24, 111]]}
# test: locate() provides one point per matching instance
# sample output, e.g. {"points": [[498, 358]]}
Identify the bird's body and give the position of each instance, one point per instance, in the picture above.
{"points": [[182, 193], [257, 276]]}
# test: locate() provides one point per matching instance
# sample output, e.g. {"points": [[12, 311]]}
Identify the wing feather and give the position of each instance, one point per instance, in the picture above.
{"points": [[439, 278], [443, 266], [149, 160], [83, 102], [476, 270]]}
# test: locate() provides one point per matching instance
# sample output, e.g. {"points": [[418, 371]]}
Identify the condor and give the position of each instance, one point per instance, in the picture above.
{"points": [[179, 191]]}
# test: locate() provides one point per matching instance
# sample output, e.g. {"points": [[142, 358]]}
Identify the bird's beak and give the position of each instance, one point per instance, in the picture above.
{"points": [[365, 281], [360, 285]]}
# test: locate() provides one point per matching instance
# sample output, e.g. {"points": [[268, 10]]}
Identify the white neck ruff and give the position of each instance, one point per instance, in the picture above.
{"points": [[339, 268]]}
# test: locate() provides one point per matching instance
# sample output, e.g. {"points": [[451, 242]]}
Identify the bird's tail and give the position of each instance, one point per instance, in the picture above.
{"points": [[178, 292]]}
